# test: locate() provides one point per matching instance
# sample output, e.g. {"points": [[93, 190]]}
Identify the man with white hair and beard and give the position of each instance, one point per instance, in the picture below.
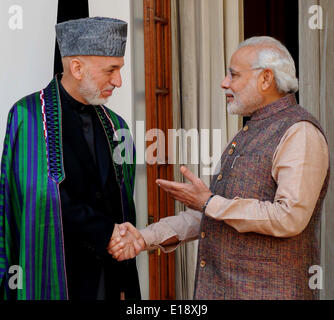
{"points": [[62, 195], [259, 223]]}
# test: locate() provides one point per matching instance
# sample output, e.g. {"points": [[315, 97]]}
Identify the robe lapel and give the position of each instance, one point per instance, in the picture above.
{"points": [[109, 131], [102, 150], [54, 119]]}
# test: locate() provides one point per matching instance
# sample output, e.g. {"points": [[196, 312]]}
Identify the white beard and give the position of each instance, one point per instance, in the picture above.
{"points": [[90, 92], [252, 100]]}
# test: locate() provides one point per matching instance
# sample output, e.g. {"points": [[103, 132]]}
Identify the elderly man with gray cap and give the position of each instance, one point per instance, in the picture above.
{"points": [[62, 194]]}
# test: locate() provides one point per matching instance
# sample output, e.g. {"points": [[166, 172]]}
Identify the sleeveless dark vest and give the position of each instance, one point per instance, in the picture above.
{"points": [[249, 266]]}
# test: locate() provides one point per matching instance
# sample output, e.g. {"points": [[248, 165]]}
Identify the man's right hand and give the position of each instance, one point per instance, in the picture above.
{"points": [[126, 242]]}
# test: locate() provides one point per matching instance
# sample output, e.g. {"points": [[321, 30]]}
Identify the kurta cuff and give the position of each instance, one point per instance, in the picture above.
{"points": [[154, 238]]}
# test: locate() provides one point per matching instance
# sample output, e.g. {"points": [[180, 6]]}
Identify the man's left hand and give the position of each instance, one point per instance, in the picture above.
{"points": [[194, 194]]}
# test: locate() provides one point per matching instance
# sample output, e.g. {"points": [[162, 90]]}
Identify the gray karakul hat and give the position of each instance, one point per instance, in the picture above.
{"points": [[96, 36]]}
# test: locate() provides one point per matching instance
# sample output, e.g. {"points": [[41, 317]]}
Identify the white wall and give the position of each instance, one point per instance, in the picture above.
{"points": [[138, 65], [121, 101], [27, 54]]}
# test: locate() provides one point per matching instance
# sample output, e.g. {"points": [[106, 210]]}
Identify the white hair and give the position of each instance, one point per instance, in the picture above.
{"points": [[272, 54]]}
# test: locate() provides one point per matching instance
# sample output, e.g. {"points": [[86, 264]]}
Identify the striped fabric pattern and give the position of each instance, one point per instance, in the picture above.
{"points": [[30, 209]]}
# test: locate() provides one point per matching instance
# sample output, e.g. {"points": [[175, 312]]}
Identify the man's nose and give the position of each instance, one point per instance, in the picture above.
{"points": [[226, 83], [116, 80]]}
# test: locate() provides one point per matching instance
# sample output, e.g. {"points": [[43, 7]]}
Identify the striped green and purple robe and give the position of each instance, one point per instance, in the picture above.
{"points": [[32, 169]]}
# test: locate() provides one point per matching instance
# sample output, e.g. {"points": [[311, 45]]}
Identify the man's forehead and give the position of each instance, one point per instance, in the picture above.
{"points": [[105, 62], [243, 58]]}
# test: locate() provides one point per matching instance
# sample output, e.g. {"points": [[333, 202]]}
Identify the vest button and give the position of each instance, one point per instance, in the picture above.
{"points": [[231, 151], [246, 128], [203, 235], [220, 177], [203, 264]]}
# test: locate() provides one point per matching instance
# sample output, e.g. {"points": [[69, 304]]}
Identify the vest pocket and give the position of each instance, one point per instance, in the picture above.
{"points": [[251, 247], [250, 178]]}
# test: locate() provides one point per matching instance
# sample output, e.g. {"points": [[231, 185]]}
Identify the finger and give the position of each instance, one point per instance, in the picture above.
{"points": [[123, 228], [118, 255], [166, 183], [188, 174], [115, 254], [133, 230], [170, 185], [117, 247], [122, 258], [115, 242]]}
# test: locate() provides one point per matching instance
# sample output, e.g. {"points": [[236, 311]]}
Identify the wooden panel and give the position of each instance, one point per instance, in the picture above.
{"points": [[159, 116]]}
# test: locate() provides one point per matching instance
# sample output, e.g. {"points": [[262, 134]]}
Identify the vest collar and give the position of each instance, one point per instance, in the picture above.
{"points": [[275, 107]]}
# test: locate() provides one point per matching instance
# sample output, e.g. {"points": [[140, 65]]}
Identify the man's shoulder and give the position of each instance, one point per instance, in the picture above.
{"points": [[22, 104], [296, 114], [302, 113]]}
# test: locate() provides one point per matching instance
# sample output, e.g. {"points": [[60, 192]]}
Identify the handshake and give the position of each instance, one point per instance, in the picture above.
{"points": [[126, 242]]}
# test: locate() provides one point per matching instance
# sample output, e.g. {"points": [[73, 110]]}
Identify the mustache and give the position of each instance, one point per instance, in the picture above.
{"points": [[111, 88], [229, 91]]}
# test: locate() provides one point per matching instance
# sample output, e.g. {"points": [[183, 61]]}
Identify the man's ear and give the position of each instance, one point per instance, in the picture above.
{"points": [[267, 80], [77, 68]]}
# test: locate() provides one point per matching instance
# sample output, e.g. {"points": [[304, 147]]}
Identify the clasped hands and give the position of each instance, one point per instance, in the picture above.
{"points": [[127, 242]]}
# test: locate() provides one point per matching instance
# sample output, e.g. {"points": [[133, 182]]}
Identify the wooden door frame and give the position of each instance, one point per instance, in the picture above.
{"points": [[159, 115]]}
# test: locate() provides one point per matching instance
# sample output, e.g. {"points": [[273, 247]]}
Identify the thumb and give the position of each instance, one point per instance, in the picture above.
{"points": [[188, 174], [122, 230]]}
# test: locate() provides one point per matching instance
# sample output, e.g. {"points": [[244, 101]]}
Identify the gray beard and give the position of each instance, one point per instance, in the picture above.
{"points": [[92, 98], [236, 108], [96, 101], [90, 92], [252, 103]]}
